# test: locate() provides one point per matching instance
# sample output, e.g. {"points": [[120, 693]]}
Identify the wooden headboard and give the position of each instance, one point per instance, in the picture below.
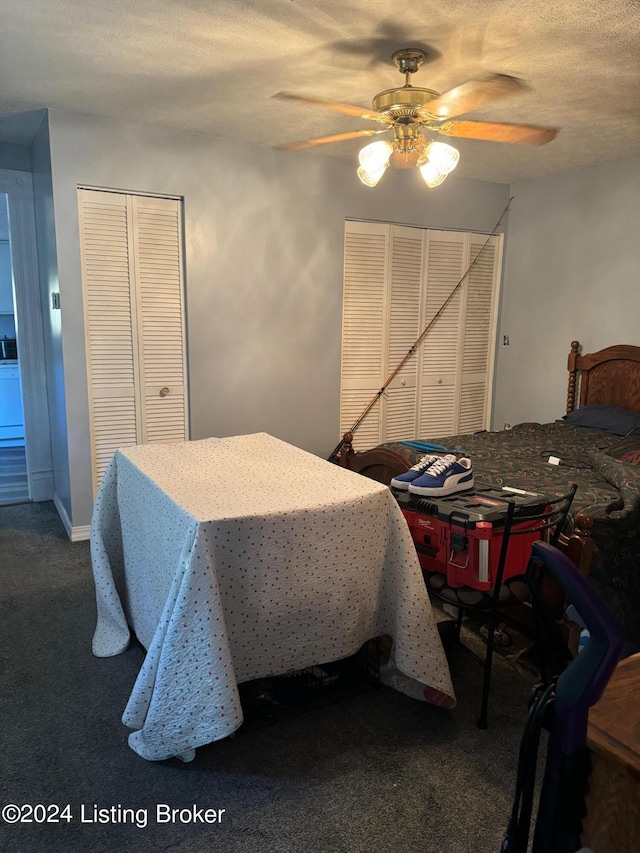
{"points": [[610, 376]]}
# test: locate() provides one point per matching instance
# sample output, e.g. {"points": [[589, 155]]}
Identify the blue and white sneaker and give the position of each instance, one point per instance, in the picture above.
{"points": [[444, 477], [402, 480]]}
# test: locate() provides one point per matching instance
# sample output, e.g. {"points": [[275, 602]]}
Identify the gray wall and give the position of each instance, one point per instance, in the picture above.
{"points": [[14, 156], [264, 250], [52, 319], [572, 273]]}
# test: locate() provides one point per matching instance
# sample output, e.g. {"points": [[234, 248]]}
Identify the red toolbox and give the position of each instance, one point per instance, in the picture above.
{"points": [[460, 535]]}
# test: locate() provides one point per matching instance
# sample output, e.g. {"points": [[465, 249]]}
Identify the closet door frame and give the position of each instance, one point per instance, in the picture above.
{"points": [[30, 307]]}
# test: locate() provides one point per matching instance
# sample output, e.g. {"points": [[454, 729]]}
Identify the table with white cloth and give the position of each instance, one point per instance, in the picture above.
{"points": [[240, 558]]}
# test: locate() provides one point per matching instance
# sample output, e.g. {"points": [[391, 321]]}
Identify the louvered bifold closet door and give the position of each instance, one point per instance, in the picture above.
{"points": [[405, 283], [131, 250], [397, 280], [445, 261], [160, 311], [480, 293], [363, 328], [105, 230]]}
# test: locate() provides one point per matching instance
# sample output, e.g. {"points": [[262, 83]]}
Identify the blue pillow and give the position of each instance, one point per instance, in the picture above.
{"points": [[610, 418]]}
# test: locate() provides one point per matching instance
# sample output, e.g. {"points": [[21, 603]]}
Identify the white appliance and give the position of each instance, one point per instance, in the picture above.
{"points": [[11, 416]]}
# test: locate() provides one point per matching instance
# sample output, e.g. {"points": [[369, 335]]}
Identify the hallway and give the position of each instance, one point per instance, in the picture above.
{"points": [[14, 487]]}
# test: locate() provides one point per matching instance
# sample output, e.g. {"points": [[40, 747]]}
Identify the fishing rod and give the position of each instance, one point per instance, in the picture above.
{"points": [[334, 455]]}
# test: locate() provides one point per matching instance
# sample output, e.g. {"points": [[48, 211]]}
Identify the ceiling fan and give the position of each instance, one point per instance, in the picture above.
{"points": [[409, 111]]}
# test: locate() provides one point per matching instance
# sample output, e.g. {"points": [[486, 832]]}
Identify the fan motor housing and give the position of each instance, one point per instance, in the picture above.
{"points": [[404, 100]]}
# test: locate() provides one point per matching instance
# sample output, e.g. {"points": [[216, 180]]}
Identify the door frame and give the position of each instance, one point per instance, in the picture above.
{"points": [[29, 318]]}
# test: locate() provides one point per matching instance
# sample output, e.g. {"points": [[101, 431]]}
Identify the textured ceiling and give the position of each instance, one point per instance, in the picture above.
{"points": [[212, 66]]}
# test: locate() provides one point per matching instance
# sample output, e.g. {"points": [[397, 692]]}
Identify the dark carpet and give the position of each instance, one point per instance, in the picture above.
{"points": [[376, 773]]}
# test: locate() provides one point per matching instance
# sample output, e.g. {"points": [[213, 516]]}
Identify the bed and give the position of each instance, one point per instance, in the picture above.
{"points": [[598, 444]]}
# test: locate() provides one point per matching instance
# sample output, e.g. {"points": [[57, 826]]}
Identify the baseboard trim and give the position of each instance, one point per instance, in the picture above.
{"points": [[81, 534], [64, 518], [75, 534]]}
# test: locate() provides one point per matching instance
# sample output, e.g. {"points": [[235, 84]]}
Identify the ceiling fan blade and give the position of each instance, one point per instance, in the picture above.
{"points": [[523, 134], [336, 106], [474, 94], [326, 140]]}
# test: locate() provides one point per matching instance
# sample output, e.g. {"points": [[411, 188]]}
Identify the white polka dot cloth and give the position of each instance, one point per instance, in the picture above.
{"points": [[240, 558]]}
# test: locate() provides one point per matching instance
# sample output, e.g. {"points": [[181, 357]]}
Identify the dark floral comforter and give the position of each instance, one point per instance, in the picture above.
{"points": [[608, 490]]}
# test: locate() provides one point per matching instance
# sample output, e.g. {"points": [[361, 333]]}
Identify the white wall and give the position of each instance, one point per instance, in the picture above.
{"points": [[264, 252], [572, 273]]}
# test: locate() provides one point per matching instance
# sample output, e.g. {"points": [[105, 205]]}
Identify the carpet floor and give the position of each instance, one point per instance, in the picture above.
{"points": [[376, 773]]}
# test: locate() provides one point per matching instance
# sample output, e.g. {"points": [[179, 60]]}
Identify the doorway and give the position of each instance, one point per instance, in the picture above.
{"points": [[28, 318], [14, 482]]}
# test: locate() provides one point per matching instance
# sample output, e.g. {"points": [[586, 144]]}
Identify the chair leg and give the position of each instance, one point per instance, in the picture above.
{"points": [[482, 721]]}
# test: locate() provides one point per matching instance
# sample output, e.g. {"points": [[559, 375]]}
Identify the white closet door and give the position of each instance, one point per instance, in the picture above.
{"points": [[405, 282], [131, 249], [479, 330], [160, 309], [105, 231], [363, 328], [445, 262], [396, 281]]}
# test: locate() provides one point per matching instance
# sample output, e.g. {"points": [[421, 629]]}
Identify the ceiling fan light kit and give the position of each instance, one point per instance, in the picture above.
{"points": [[436, 161], [409, 111], [374, 160]]}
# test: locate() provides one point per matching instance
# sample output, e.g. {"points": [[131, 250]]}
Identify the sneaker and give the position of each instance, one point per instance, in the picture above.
{"points": [[402, 480], [444, 477]]}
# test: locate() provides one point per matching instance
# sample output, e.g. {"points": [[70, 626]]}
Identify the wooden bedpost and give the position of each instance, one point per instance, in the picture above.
{"points": [[571, 366], [347, 449], [579, 546]]}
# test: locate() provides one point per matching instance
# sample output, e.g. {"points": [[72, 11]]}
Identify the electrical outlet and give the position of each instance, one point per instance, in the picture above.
{"points": [[505, 340], [507, 426]]}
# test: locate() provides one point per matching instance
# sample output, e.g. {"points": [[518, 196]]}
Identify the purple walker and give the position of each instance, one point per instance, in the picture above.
{"points": [[561, 705]]}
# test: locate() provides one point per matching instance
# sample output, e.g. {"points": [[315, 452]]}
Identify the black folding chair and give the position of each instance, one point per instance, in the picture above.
{"points": [[545, 523]]}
